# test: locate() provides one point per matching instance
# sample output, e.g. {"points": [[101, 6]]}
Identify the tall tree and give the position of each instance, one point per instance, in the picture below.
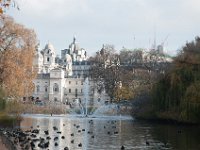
{"points": [[105, 68], [177, 94], [17, 47]]}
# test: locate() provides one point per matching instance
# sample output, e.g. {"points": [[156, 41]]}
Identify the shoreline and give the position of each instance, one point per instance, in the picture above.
{"points": [[6, 143], [166, 121], [2, 144]]}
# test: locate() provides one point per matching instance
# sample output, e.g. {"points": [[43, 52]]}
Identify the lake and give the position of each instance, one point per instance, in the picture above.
{"points": [[111, 133]]}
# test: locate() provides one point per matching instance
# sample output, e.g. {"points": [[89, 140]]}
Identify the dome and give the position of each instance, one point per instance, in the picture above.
{"points": [[49, 46]]}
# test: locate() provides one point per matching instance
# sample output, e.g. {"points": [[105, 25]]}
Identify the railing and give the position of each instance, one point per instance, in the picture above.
{"points": [[9, 145]]}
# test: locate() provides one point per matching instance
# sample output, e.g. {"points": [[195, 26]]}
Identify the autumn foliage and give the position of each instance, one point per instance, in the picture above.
{"points": [[176, 96], [17, 46], [5, 4]]}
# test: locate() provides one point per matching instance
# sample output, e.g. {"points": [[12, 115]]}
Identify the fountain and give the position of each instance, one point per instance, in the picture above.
{"points": [[86, 96], [103, 110], [97, 107], [103, 125]]}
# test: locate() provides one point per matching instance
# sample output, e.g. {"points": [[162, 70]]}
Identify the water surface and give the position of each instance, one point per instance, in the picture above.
{"points": [[111, 132]]}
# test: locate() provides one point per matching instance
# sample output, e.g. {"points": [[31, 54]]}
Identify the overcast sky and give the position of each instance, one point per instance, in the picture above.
{"points": [[123, 23]]}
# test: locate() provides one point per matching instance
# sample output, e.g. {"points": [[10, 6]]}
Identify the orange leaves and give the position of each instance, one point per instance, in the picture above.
{"points": [[5, 4], [1, 10], [16, 58]]}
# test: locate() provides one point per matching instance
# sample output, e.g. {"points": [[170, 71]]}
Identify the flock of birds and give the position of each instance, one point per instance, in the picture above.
{"points": [[32, 139]]}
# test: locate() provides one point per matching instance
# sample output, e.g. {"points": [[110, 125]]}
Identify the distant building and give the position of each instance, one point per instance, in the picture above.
{"points": [[63, 79]]}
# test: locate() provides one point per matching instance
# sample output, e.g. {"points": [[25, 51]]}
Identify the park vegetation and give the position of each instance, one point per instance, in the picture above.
{"points": [[158, 89], [176, 96], [17, 48], [109, 75], [126, 75]]}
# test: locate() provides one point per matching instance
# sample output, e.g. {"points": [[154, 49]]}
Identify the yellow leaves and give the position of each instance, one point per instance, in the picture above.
{"points": [[124, 93], [5, 4], [192, 93], [16, 58], [1, 10], [175, 79]]}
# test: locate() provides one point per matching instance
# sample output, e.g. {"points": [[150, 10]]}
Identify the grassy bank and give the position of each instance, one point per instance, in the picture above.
{"points": [[150, 114], [21, 108], [144, 109]]}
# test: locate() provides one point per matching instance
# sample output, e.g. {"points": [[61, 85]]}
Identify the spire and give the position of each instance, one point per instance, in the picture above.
{"points": [[74, 39], [154, 45]]}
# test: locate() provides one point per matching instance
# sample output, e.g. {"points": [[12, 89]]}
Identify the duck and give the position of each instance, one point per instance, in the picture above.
{"points": [[55, 128], [56, 138], [72, 141], [66, 148], [56, 144], [122, 147], [46, 132], [72, 134], [80, 145]]}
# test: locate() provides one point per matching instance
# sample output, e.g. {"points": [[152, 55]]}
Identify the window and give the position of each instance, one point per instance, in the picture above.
{"points": [[76, 82], [55, 99], [69, 82], [38, 88], [93, 90], [81, 82], [76, 92], [69, 90], [48, 59], [55, 87], [81, 90], [46, 88]]}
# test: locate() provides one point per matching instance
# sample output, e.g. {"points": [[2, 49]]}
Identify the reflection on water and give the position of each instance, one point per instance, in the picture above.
{"points": [[110, 133]]}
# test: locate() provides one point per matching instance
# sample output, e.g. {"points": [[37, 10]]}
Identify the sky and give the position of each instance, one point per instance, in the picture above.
{"points": [[122, 23]]}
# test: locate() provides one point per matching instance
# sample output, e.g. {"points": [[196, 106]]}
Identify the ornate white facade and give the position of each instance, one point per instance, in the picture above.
{"points": [[62, 79]]}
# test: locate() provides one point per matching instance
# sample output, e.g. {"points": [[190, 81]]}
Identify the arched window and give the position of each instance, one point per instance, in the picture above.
{"points": [[38, 88], [55, 87], [48, 59]]}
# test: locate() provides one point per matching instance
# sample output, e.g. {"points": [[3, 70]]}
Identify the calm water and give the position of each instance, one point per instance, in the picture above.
{"points": [[110, 133]]}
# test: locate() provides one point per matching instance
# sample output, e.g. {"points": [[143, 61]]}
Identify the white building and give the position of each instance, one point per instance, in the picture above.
{"points": [[63, 79]]}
